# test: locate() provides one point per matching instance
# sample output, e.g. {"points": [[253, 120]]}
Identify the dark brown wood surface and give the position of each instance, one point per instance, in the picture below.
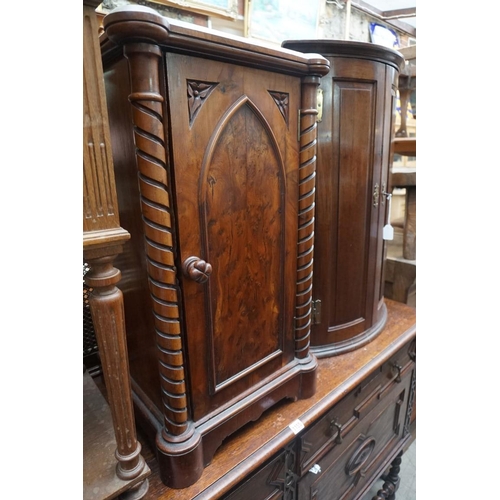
{"points": [[239, 186], [146, 24], [244, 452]]}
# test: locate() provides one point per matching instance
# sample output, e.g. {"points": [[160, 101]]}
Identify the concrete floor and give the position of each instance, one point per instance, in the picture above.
{"points": [[408, 474]]}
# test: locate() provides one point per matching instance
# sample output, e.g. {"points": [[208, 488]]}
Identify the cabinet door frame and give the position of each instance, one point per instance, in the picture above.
{"points": [[201, 123]]}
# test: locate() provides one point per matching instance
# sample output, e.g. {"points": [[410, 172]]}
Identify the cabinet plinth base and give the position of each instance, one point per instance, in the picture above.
{"points": [[333, 349], [181, 463]]}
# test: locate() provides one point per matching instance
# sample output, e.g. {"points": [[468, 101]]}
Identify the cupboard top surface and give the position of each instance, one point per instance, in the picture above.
{"points": [[348, 48], [133, 24]]}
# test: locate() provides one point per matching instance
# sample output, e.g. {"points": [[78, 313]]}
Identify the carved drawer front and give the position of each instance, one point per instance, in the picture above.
{"points": [[367, 444], [335, 427], [273, 481]]}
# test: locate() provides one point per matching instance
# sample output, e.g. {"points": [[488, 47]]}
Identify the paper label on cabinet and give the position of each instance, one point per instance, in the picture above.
{"points": [[388, 232], [296, 426], [315, 469]]}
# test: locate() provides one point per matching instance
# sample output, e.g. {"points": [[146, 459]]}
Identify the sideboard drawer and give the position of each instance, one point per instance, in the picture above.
{"points": [[347, 467], [267, 483], [335, 427]]}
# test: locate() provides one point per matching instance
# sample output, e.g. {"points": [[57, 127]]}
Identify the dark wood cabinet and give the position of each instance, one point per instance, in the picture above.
{"points": [[238, 187], [354, 143], [214, 143]]}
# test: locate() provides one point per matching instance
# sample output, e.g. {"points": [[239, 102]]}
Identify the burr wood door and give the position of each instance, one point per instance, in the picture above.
{"points": [[235, 156]]}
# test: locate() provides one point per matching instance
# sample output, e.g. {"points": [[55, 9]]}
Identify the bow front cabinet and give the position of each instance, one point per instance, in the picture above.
{"points": [[354, 154]]}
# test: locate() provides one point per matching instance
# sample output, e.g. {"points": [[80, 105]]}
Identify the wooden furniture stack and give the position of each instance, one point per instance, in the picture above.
{"points": [[214, 142]]}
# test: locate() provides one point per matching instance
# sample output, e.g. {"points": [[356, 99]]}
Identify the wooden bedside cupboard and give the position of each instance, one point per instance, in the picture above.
{"points": [[214, 144]]}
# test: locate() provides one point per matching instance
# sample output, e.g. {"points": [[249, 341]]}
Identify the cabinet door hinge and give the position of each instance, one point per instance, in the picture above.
{"points": [[376, 195], [319, 104], [316, 312]]}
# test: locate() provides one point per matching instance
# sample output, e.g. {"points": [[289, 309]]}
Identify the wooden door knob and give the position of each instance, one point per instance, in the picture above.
{"points": [[197, 269]]}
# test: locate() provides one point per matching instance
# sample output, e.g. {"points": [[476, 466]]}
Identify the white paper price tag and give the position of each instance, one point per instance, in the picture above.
{"points": [[296, 426], [315, 469], [388, 232]]}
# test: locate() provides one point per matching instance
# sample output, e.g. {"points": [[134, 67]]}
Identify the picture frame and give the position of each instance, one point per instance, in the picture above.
{"points": [[226, 9], [383, 35], [278, 20]]}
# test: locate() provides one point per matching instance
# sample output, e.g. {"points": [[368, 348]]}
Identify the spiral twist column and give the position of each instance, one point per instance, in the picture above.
{"points": [[391, 483], [307, 190], [178, 437]]}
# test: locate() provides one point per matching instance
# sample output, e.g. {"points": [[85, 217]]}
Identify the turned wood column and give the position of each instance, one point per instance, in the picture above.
{"points": [[404, 97], [106, 307], [407, 84], [178, 442], [391, 482]]}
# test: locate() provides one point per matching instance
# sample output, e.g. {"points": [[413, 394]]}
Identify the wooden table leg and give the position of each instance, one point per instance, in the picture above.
{"points": [[404, 97], [391, 483], [410, 225], [106, 307]]}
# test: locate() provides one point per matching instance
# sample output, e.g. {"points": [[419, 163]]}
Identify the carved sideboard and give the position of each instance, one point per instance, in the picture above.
{"points": [[334, 445], [214, 144], [354, 155]]}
